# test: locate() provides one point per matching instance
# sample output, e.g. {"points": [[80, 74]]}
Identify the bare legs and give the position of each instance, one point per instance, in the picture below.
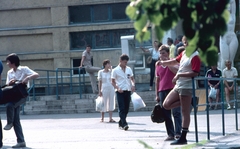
{"points": [[174, 100], [110, 117]]}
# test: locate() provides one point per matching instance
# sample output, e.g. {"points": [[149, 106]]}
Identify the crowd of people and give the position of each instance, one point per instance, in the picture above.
{"points": [[173, 71]]}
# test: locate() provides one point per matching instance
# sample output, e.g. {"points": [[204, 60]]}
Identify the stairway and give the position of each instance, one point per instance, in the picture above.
{"points": [[73, 104]]}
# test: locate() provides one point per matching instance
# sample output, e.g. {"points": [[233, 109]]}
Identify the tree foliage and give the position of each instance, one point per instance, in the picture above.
{"points": [[201, 20]]}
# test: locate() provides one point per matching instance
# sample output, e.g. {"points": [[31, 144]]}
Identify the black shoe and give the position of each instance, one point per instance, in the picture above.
{"points": [[179, 142], [125, 127], [119, 125], [8, 126]]}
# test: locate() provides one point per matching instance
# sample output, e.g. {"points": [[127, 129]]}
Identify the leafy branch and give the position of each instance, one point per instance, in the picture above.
{"points": [[201, 21]]}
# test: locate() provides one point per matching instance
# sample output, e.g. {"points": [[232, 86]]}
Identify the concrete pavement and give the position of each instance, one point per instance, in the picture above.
{"points": [[84, 131]]}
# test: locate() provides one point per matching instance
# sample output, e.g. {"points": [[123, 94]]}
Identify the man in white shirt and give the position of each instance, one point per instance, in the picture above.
{"points": [[229, 72], [124, 83], [22, 74]]}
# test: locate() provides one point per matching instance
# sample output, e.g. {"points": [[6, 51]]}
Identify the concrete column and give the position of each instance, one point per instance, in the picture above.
{"points": [[59, 17]]}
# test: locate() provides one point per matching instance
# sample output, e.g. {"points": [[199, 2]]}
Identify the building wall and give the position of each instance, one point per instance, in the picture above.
{"points": [[38, 31]]}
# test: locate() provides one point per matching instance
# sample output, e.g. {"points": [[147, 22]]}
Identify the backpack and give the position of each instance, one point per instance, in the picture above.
{"points": [[157, 115]]}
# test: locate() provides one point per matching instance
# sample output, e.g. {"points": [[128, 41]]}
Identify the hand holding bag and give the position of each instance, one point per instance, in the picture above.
{"points": [[99, 104], [137, 101], [212, 93], [13, 93]]}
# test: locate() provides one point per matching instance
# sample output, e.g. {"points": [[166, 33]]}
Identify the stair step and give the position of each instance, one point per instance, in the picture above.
{"points": [[73, 104]]}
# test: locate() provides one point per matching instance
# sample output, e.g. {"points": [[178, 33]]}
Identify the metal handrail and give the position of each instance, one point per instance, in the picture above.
{"points": [[70, 70], [222, 103]]}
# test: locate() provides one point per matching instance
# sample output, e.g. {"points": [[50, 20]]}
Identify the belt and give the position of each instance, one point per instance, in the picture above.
{"points": [[126, 91]]}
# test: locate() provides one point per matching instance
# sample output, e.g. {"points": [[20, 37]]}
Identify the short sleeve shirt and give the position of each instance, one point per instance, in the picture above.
{"points": [[211, 74], [155, 54], [88, 57], [123, 79], [21, 73], [166, 76], [230, 73]]}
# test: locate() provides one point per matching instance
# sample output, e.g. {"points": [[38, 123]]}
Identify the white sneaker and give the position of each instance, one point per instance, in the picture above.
{"points": [[229, 107]]}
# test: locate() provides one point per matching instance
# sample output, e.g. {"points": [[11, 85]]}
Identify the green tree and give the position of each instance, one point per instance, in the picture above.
{"points": [[201, 20]]}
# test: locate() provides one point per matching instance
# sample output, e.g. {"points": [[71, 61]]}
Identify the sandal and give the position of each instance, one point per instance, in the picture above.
{"points": [[101, 120], [112, 121]]}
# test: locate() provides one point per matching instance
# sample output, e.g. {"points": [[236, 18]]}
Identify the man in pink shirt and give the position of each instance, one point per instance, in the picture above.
{"points": [[164, 76]]}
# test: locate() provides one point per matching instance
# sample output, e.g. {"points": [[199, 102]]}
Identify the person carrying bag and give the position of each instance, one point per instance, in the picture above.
{"points": [[13, 93]]}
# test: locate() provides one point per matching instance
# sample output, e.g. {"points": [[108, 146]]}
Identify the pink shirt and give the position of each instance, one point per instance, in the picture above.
{"points": [[165, 75]]}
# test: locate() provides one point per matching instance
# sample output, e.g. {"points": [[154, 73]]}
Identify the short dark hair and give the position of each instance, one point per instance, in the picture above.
{"points": [[163, 47], [180, 49], [89, 46], [105, 62], [170, 40], [159, 44], [124, 57], [179, 38], [14, 59]]}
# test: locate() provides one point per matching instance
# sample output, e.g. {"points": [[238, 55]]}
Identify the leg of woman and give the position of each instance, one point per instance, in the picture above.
{"points": [[102, 117], [105, 98], [172, 100], [111, 103], [185, 107]]}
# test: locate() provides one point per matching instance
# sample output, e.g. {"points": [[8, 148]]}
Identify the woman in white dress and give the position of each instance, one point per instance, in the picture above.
{"points": [[106, 90]]}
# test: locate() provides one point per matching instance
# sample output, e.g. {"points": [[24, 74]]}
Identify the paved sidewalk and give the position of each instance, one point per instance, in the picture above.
{"points": [[84, 131]]}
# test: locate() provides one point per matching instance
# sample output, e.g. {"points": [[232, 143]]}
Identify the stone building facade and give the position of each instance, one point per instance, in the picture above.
{"points": [[50, 34]]}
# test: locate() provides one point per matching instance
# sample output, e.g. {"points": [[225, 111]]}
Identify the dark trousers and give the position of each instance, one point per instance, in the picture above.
{"points": [[13, 116], [168, 116], [1, 134], [177, 115], [152, 71], [123, 106]]}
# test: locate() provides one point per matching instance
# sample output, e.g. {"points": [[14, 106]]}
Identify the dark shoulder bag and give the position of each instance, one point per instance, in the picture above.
{"points": [[157, 115], [13, 93]]}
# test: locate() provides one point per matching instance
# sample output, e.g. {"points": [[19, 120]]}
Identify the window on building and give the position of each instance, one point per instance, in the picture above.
{"points": [[98, 13], [80, 14], [102, 39], [118, 11]]}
